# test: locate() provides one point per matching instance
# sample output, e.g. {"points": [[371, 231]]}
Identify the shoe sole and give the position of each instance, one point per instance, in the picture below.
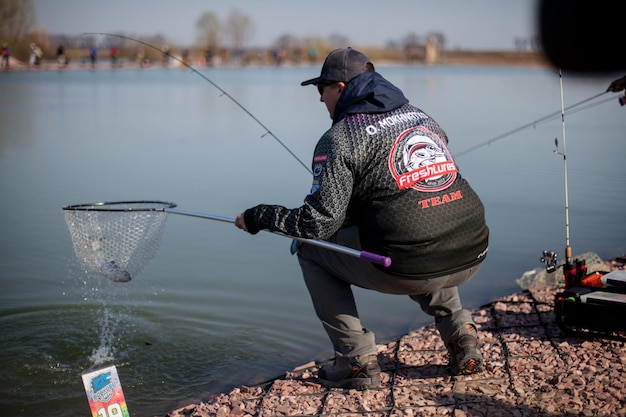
{"points": [[471, 366], [472, 361]]}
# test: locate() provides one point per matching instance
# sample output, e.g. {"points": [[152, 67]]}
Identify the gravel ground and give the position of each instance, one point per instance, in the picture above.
{"points": [[533, 367]]}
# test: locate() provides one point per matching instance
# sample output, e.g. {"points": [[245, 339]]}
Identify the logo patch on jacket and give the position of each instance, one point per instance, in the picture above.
{"points": [[318, 168], [421, 160]]}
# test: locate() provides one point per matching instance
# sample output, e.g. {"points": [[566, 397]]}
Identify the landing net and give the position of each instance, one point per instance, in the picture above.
{"points": [[116, 239]]}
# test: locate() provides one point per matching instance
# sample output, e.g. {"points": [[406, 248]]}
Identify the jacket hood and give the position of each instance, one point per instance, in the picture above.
{"points": [[368, 93]]}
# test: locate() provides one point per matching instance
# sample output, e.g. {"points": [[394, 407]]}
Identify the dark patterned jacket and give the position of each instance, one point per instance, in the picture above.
{"points": [[384, 165]]}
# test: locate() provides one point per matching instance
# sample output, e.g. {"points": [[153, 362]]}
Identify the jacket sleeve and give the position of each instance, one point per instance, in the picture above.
{"points": [[324, 209]]}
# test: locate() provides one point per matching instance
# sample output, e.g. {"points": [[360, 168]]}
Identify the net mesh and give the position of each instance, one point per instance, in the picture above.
{"points": [[116, 239]]}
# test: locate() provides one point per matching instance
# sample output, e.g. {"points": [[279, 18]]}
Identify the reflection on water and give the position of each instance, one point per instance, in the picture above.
{"points": [[215, 308]]}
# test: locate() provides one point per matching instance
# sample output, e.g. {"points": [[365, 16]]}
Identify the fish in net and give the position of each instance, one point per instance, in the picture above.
{"points": [[116, 239]]}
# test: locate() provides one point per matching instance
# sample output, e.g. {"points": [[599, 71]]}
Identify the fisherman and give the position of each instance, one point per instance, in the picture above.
{"points": [[373, 171], [5, 52], [93, 56], [61, 60], [32, 54]]}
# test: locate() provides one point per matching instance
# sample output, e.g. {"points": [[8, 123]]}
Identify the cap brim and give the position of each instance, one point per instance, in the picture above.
{"points": [[312, 81]]}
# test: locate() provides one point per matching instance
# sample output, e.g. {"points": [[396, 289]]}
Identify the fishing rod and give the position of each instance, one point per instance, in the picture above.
{"points": [[568, 249], [573, 272], [241, 106], [537, 122]]}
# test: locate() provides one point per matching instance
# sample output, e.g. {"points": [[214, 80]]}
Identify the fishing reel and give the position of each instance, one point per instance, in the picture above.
{"points": [[549, 259]]}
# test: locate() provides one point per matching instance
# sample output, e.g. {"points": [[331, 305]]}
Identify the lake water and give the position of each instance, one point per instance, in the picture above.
{"points": [[218, 308]]}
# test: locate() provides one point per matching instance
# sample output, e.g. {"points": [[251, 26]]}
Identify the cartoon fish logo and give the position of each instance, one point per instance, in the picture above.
{"points": [[420, 160]]}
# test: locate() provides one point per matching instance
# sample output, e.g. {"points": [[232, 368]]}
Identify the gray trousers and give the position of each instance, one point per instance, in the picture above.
{"points": [[329, 276]]}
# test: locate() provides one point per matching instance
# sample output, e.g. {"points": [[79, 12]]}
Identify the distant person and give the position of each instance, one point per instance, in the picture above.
{"points": [[38, 55], [209, 57], [141, 56], [312, 52], [32, 54], [93, 56], [384, 181], [297, 55], [166, 55], [5, 52], [35, 55], [278, 54], [113, 56], [61, 56]]}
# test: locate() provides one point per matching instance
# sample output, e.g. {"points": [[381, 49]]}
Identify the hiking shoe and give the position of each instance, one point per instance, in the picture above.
{"points": [[465, 358], [354, 373]]}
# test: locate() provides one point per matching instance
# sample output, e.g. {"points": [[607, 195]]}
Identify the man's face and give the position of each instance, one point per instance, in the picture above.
{"points": [[329, 95]]}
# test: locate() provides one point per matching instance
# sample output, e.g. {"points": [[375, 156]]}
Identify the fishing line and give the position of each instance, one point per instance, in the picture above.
{"points": [[267, 130], [537, 122]]}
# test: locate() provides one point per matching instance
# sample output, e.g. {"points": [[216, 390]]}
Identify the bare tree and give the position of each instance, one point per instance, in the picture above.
{"points": [[520, 44], [210, 27], [239, 26], [338, 41], [414, 47], [287, 41], [412, 39], [16, 18]]}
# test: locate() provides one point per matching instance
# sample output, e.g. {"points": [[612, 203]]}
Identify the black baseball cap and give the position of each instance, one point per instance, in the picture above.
{"points": [[342, 65]]}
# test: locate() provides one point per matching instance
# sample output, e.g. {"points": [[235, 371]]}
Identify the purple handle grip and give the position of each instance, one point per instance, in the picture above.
{"points": [[377, 259]]}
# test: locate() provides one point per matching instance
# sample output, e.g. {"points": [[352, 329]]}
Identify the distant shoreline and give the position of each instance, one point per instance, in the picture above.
{"points": [[456, 57], [504, 58]]}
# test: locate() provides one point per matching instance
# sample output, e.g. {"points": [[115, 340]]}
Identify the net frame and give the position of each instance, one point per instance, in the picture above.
{"points": [[116, 239]]}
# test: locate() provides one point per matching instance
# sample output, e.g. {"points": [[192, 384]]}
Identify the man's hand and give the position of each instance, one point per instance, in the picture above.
{"points": [[240, 223]]}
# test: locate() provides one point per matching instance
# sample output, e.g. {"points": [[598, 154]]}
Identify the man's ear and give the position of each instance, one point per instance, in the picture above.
{"points": [[341, 85]]}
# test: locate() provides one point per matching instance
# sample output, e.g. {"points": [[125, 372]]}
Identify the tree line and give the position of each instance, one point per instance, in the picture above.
{"points": [[217, 40]]}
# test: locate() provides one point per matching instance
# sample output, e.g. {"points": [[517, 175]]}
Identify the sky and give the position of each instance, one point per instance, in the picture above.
{"points": [[466, 24]]}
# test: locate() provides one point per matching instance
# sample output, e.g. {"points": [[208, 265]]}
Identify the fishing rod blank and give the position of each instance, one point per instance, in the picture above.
{"points": [[117, 239], [166, 53], [550, 257], [568, 249]]}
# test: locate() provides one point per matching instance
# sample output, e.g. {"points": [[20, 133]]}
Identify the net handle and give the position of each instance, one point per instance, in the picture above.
{"points": [[170, 208], [367, 256]]}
